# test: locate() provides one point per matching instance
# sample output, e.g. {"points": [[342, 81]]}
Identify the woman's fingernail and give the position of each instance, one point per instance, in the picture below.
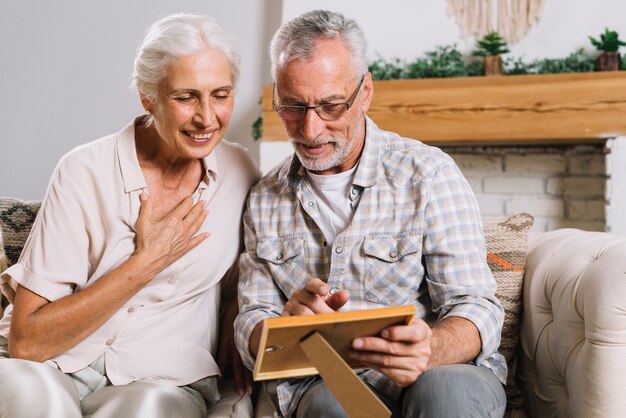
{"points": [[357, 343]]}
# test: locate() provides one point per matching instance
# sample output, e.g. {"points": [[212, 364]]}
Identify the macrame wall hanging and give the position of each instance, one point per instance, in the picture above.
{"points": [[512, 19]]}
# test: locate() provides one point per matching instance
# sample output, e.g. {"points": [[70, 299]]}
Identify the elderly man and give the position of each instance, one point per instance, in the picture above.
{"points": [[362, 218]]}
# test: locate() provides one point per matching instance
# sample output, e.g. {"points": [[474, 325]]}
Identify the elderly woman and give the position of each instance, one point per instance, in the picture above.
{"points": [[116, 297]]}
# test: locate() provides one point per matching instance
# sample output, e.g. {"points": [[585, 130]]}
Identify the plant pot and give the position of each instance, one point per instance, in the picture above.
{"points": [[493, 65], [609, 61]]}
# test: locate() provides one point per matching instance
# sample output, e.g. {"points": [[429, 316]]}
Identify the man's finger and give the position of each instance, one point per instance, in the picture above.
{"points": [[294, 307], [337, 299], [317, 287], [380, 345], [413, 333], [249, 383], [238, 373], [400, 377], [379, 360]]}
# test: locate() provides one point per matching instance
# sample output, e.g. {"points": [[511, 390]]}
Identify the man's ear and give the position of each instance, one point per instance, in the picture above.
{"points": [[368, 92]]}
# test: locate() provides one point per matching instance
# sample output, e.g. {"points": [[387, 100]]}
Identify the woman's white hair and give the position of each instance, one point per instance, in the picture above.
{"points": [[297, 38], [176, 36]]}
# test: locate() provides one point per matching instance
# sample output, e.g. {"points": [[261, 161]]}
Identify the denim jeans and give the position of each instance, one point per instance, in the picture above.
{"points": [[459, 390]]}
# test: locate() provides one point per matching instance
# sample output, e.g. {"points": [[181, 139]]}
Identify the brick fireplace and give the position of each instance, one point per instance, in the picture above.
{"points": [[561, 186]]}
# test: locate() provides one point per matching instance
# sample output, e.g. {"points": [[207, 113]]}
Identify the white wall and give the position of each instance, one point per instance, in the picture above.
{"points": [[406, 28], [66, 68]]}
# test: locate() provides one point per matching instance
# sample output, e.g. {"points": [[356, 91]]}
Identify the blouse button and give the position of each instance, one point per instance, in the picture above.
{"points": [[393, 254], [339, 250], [279, 257]]}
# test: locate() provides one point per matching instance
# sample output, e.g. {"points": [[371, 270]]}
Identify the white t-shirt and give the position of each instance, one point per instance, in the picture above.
{"points": [[85, 228], [333, 199]]}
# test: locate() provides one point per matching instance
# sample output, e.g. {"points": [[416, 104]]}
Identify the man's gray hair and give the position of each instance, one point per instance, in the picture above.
{"points": [[176, 36], [297, 38]]}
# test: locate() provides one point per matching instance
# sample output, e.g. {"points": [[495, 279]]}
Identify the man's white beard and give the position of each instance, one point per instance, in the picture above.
{"points": [[342, 148]]}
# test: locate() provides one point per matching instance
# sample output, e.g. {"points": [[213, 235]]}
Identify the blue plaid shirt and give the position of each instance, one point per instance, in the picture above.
{"points": [[416, 237]]}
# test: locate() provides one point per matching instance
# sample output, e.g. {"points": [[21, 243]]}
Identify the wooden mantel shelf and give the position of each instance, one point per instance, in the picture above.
{"points": [[493, 110]]}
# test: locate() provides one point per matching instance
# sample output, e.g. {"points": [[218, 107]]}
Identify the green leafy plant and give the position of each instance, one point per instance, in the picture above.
{"points": [[444, 61], [257, 125], [491, 44], [609, 41], [576, 62], [257, 128], [387, 70]]}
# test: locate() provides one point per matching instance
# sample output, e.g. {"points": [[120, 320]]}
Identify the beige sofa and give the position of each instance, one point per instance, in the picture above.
{"points": [[572, 356], [570, 360]]}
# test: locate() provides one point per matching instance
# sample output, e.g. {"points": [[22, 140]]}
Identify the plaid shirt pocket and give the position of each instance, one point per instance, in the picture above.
{"points": [[397, 257], [285, 259]]}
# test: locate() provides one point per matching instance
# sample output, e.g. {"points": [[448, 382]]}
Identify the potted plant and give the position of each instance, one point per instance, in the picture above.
{"points": [[609, 43], [491, 47]]}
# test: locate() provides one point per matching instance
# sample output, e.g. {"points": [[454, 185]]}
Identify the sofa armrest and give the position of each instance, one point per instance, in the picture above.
{"points": [[572, 359]]}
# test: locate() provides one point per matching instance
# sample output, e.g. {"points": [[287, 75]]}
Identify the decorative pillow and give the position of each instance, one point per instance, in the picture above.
{"points": [[16, 220], [507, 245]]}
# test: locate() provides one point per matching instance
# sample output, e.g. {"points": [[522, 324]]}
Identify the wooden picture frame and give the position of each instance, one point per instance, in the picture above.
{"points": [[280, 353]]}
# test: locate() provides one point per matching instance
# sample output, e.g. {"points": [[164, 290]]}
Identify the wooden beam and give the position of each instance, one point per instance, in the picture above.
{"points": [[507, 109]]}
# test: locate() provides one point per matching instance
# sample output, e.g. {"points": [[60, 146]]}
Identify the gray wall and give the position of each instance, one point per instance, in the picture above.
{"points": [[65, 71]]}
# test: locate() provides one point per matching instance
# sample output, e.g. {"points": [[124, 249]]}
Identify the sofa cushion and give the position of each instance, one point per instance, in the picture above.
{"points": [[507, 246], [572, 356], [16, 219]]}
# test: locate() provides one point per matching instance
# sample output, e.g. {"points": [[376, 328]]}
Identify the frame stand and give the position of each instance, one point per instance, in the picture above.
{"points": [[351, 392]]}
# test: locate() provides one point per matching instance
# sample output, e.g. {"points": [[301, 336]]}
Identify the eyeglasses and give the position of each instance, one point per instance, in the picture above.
{"points": [[327, 111]]}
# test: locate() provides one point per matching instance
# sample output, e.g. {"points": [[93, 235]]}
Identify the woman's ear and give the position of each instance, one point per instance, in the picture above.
{"points": [[145, 103]]}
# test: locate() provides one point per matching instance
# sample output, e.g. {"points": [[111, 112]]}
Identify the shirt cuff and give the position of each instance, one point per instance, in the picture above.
{"points": [[487, 319], [244, 325], [19, 274]]}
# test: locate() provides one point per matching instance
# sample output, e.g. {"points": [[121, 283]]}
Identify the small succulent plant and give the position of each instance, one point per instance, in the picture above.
{"points": [[491, 44], [609, 41]]}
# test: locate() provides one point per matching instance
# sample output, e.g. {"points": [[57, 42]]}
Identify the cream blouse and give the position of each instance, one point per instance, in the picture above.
{"points": [[168, 331]]}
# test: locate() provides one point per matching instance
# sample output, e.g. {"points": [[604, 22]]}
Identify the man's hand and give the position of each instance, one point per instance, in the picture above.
{"points": [[313, 299], [401, 352]]}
